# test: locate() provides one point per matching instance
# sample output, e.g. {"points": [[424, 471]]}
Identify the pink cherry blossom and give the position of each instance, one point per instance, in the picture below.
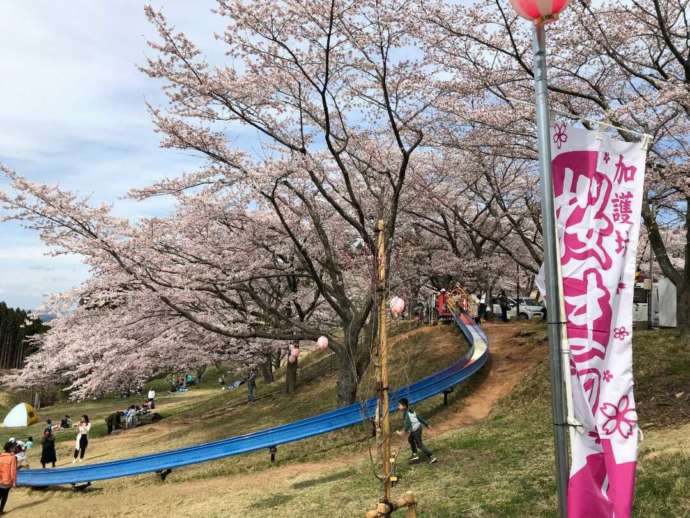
{"points": [[622, 418]]}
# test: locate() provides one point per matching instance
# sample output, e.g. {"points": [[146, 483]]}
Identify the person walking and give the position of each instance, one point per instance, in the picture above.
{"points": [[8, 474], [251, 385], [503, 302], [412, 424], [82, 442], [48, 454], [482, 308]]}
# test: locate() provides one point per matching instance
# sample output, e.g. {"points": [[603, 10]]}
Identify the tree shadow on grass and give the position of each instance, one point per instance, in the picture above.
{"points": [[27, 505], [323, 480], [272, 501]]}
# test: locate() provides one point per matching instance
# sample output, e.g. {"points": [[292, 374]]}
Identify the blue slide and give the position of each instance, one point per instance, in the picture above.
{"points": [[470, 363]]}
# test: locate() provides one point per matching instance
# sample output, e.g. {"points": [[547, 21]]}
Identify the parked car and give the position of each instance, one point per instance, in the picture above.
{"points": [[529, 309]]}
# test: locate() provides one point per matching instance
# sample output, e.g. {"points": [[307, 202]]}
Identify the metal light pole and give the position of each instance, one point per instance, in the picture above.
{"points": [[551, 258], [650, 298], [517, 295]]}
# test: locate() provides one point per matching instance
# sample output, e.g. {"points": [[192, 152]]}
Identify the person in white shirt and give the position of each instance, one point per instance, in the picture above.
{"points": [[82, 442], [152, 399]]}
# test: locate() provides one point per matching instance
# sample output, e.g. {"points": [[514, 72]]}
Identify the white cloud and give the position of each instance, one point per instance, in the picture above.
{"points": [[72, 112]]}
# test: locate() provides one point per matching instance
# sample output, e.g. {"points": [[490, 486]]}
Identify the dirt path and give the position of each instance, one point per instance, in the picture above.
{"points": [[510, 361]]}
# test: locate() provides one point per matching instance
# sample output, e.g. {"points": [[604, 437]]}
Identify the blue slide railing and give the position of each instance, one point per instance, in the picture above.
{"points": [[466, 366]]}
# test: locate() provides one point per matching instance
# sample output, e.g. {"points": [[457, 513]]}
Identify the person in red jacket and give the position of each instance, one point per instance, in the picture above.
{"points": [[8, 474]]}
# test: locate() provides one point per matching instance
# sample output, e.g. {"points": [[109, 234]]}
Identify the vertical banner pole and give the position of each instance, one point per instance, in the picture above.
{"points": [[551, 258], [650, 298]]}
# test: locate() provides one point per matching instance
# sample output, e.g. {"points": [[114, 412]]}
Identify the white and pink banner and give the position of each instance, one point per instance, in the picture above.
{"points": [[598, 188]]}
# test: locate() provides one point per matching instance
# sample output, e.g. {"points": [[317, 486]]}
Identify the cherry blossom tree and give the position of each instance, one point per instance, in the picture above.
{"points": [[261, 247], [624, 64]]}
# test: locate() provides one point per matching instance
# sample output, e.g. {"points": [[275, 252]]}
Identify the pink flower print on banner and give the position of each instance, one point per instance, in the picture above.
{"points": [[607, 376], [582, 196], [624, 173], [560, 136], [595, 436], [620, 333], [622, 418]]}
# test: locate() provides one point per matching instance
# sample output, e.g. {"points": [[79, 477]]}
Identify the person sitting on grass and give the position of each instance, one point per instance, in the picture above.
{"points": [[412, 424], [66, 423]]}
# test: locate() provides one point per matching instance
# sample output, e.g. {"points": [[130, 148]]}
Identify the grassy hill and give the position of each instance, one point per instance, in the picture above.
{"points": [[493, 440]]}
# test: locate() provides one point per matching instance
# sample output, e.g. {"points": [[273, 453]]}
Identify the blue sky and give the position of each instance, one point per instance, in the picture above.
{"points": [[72, 112]]}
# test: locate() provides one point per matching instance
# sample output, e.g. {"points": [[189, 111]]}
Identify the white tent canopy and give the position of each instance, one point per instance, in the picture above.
{"points": [[21, 415], [667, 303]]}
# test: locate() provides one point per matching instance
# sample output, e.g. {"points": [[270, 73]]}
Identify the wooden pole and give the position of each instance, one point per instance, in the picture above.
{"points": [[386, 505], [383, 364]]}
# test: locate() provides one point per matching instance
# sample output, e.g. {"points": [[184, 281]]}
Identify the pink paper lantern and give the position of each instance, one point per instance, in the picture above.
{"points": [[292, 358], [539, 10], [397, 306], [322, 343]]}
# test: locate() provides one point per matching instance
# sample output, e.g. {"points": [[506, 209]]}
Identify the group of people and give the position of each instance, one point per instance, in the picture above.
{"points": [[20, 449], [134, 415], [48, 451], [13, 456], [479, 305], [181, 383]]}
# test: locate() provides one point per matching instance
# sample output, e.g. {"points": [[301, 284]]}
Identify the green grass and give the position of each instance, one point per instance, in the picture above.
{"points": [[502, 466]]}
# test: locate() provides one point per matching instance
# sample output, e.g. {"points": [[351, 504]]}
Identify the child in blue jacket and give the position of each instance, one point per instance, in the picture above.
{"points": [[413, 424]]}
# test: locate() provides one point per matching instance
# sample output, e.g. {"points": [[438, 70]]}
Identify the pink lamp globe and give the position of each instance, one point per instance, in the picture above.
{"points": [[322, 343], [539, 10]]}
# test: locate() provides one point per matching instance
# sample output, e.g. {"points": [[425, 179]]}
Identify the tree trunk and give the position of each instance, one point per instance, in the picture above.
{"points": [[267, 369], [347, 382], [291, 377], [349, 375], [683, 310], [199, 373]]}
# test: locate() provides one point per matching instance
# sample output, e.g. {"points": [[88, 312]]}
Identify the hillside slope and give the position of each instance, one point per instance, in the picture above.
{"points": [[493, 441]]}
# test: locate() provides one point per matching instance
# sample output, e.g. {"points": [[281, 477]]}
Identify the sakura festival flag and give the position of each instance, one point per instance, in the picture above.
{"points": [[598, 189]]}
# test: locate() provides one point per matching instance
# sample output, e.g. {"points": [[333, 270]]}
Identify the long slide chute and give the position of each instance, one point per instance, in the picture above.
{"points": [[466, 366]]}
